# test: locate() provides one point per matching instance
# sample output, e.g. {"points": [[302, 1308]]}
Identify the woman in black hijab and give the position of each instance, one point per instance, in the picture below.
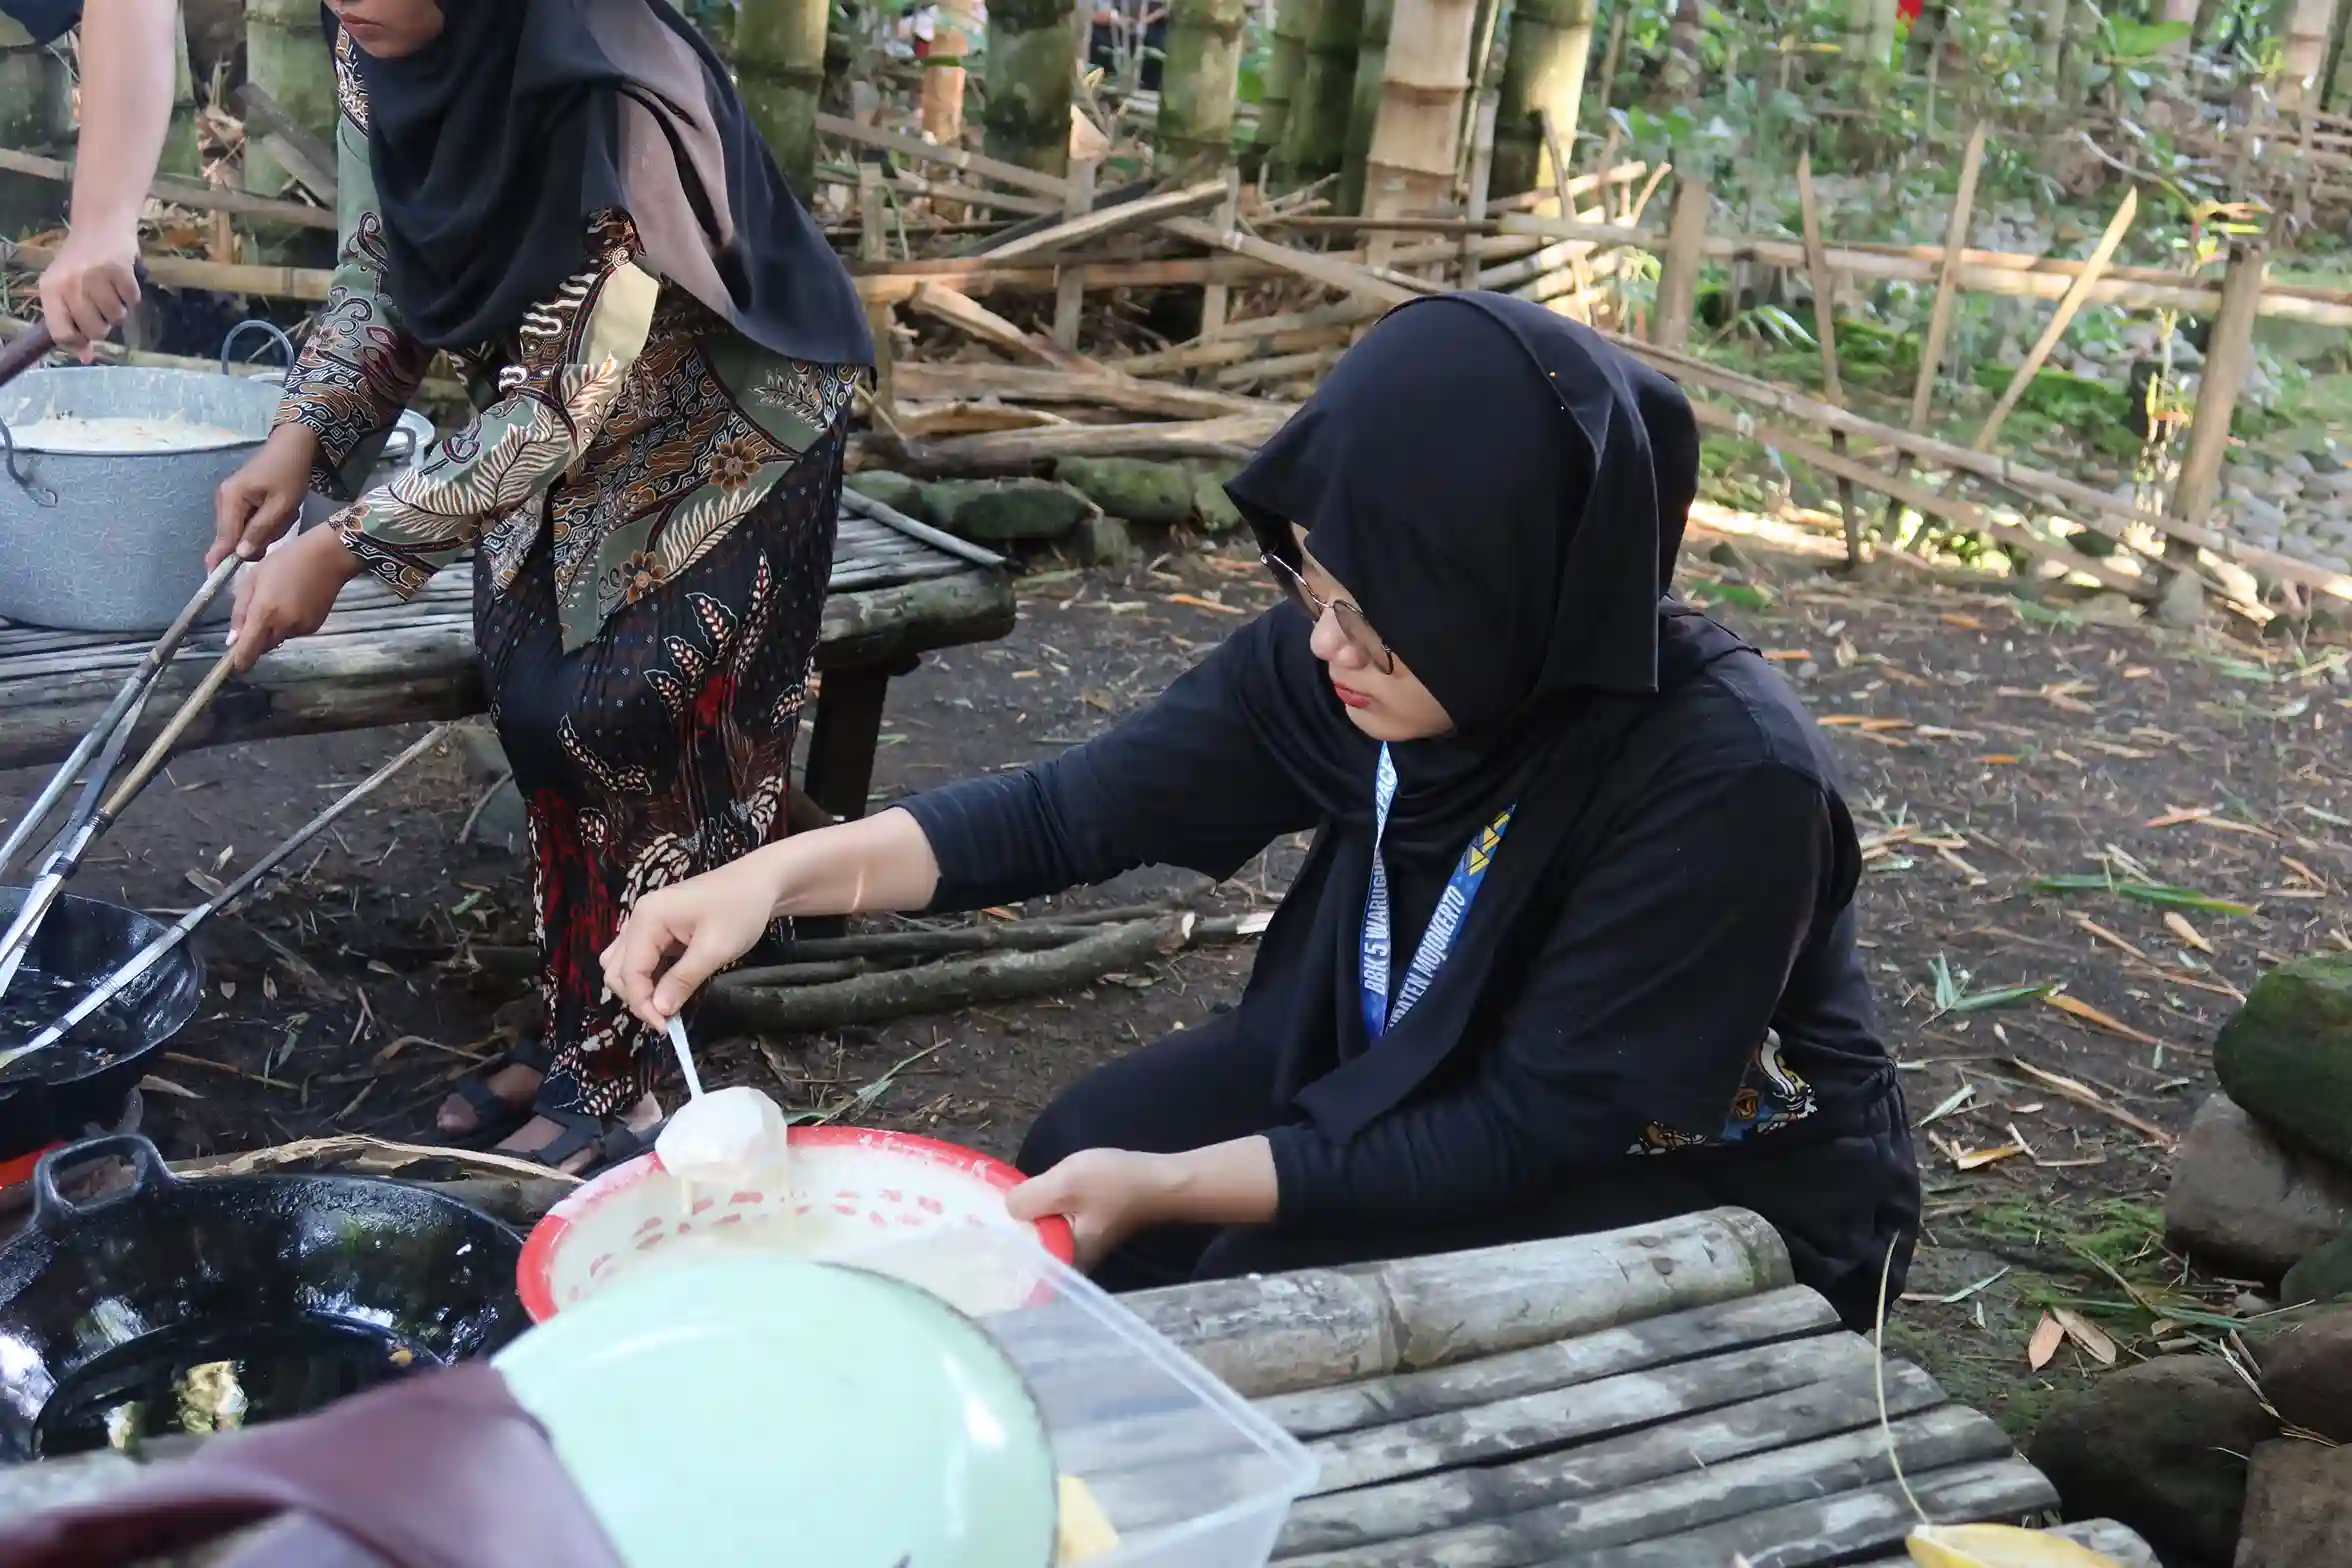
{"points": [[1574, 947], [566, 196]]}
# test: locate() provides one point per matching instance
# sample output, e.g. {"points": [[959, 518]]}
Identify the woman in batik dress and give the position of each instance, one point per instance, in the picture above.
{"points": [[566, 196]]}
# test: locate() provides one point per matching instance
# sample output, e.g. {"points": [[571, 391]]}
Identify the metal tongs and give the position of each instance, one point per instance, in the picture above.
{"points": [[96, 809], [180, 930]]}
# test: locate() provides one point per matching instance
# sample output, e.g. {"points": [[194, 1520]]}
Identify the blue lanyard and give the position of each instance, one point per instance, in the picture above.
{"points": [[1444, 922]]}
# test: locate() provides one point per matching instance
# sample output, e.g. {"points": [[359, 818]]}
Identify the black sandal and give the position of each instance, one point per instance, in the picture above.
{"points": [[612, 1140], [495, 1116]]}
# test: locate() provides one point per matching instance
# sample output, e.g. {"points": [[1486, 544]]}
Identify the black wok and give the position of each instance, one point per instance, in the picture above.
{"points": [[85, 1077], [308, 1287]]}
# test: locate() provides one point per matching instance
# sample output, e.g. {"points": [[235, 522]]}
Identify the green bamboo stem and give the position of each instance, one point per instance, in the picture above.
{"points": [[1197, 82], [1314, 141], [1030, 76], [1551, 42], [780, 71], [1364, 101], [1294, 25], [286, 56]]}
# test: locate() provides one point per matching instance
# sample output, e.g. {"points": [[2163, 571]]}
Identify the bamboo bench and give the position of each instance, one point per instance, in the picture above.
{"points": [[898, 590], [1656, 1397]]}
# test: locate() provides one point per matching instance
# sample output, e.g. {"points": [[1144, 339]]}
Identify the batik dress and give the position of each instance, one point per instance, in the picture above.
{"points": [[650, 501]]}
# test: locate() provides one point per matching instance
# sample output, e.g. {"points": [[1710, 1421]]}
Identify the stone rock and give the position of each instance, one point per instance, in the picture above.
{"points": [[1105, 541], [2323, 1274], [1159, 494], [2286, 1056], [2182, 603], [1214, 508], [2307, 1376], [1007, 513], [2244, 1201], [895, 491], [2108, 608], [2298, 1506], [2157, 1447]]}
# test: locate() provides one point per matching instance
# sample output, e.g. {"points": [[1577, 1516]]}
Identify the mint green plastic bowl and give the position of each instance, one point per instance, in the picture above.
{"points": [[770, 1410]]}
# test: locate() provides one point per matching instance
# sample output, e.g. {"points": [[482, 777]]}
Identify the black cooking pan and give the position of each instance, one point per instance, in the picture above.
{"points": [[120, 1313], [84, 1079]]}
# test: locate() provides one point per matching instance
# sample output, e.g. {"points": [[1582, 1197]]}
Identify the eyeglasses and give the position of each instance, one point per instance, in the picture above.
{"points": [[1352, 624]]}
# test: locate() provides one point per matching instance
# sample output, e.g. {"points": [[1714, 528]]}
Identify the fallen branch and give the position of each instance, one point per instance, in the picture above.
{"points": [[994, 977]]}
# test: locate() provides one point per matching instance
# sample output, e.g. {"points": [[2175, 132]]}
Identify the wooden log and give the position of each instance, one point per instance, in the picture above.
{"points": [[1482, 1434], [1931, 1440], [2060, 319], [1279, 367], [995, 977], [954, 157], [1595, 1469], [184, 193], [1019, 451], [1678, 266], [1278, 1333], [1103, 388], [2093, 508], [1679, 1336], [1928, 501], [1836, 1529]]}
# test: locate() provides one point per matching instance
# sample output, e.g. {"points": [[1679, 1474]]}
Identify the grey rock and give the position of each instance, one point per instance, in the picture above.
{"points": [[2157, 1447], [2298, 1511], [2182, 603], [1106, 541], [2244, 1201], [2307, 1376], [2297, 464]]}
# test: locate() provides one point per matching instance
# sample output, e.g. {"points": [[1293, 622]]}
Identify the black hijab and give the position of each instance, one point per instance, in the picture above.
{"points": [[492, 147], [1502, 493]]}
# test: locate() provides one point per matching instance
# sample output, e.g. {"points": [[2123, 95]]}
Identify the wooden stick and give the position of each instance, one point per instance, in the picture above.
{"points": [[1939, 317], [874, 245], [1825, 332], [961, 311], [1678, 266], [160, 748], [1070, 280], [1217, 296], [304, 155], [303, 283], [1387, 288], [184, 193], [1103, 387], [2060, 319]]}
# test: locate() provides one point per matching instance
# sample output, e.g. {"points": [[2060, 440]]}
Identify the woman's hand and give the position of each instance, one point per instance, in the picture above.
{"points": [[707, 921], [288, 595], [1106, 1194], [255, 505]]}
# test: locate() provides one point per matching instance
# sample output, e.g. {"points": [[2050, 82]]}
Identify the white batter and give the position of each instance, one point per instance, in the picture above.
{"points": [[107, 433]]}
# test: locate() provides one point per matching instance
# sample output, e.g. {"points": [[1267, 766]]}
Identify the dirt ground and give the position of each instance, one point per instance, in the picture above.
{"points": [[1988, 744]]}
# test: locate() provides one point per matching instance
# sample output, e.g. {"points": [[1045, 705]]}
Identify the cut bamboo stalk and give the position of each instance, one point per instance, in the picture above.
{"points": [[1417, 130], [1274, 1334], [1083, 226], [1103, 388], [1198, 83], [2228, 353], [1364, 102], [779, 61], [966, 314], [1022, 451], [943, 84], [2061, 319], [1550, 46], [1275, 368], [1939, 317], [1216, 297], [1825, 334], [1314, 142], [1578, 259], [179, 272], [954, 157], [1070, 279], [874, 245], [1385, 287], [184, 193], [1482, 134], [1026, 116], [1678, 266]]}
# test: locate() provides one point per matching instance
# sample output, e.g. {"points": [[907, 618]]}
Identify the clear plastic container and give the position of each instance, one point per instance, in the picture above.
{"points": [[1189, 1475]]}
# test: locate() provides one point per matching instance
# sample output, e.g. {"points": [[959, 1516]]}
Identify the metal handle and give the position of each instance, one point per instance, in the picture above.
{"points": [[53, 1211], [256, 324], [400, 445], [42, 494]]}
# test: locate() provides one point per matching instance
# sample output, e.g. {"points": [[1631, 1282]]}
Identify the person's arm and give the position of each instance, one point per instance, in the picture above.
{"points": [[128, 51], [1184, 782], [1644, 1008]]}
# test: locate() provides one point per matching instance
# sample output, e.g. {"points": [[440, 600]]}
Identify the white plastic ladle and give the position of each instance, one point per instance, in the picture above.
{"points": [[723, 1136]]}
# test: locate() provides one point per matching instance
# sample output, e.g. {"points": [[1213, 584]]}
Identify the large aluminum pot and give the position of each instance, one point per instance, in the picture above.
{"points": [[115, 541]]}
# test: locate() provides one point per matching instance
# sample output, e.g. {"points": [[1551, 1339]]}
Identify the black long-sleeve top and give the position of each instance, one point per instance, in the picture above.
{"points": [[1712, 905]]}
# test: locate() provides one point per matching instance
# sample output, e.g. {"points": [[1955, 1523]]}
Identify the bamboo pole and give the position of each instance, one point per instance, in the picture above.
{"points": [[1286, 65], [1825, 333], [949, 154], [943, 84], [1083, 225], [1939, 319], [1216, 297], [1551, 45], [1417, 131], [1070, 280], [1482, 133], [181, 154], [2310, 23], [780, 72], [1026, 118], [286, 55], [2229, 352], [182, 193], [874, 245], [1314, 140], [1197, 84], [1678, 271], [1364, 102]]}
